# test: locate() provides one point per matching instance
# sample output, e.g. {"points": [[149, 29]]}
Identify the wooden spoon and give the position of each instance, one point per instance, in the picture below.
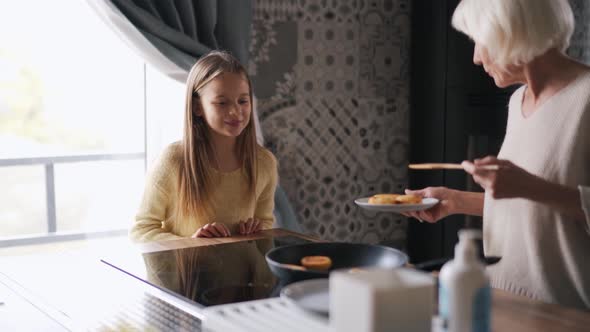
{"points": [[449, 166]]}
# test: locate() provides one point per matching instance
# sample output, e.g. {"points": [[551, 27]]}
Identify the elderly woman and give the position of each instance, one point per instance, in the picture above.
{"points": [[536, 202]]}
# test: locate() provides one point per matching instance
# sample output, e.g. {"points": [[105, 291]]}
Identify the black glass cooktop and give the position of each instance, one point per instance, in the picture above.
{"points": [[209, 275]]}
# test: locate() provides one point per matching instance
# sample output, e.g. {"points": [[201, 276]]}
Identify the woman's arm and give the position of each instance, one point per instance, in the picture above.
{"points": [[585, 198], [564, 199], [470, 203], [450, 202], [511, 181]]}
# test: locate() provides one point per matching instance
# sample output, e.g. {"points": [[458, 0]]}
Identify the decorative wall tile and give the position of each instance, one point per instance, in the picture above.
{"points": [[580, 42], [276, 10], [336, 113], [329, 10], [384, 47], [328, 54], [273, 55]]}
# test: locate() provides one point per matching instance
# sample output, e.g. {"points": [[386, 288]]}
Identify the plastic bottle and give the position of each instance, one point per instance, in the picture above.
{"points": [[464, 288]]}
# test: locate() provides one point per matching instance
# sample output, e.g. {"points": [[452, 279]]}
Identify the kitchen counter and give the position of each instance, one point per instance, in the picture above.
{"points": [[517, 313], [75, 290]]}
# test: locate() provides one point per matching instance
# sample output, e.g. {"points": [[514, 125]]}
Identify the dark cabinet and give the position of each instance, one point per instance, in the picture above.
{"points": [[457, 113]]}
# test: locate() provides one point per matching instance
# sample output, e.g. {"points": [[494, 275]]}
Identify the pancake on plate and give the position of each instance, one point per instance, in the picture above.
{"points": [[395, 199]]}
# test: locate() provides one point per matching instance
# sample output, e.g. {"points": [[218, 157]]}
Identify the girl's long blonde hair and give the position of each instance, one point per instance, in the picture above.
{"points": [[195, 176]]}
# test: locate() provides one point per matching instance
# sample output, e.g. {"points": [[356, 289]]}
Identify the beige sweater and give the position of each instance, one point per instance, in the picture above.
{"points": [[544, 252], [156, 218]]}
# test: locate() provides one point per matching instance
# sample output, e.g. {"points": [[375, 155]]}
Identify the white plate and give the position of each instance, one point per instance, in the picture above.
{"points": [[427, 203], [310, 294]]}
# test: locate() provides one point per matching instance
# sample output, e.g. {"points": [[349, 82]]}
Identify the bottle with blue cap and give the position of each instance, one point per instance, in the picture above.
{"points": [[464, 288]]}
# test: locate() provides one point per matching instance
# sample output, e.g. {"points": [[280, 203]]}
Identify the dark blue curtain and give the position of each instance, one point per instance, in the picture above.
{"points": [[183, 30]]}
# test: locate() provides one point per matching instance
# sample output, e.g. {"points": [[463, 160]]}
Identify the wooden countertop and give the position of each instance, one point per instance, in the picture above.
{"points": [[511, 312], [198, 242]]}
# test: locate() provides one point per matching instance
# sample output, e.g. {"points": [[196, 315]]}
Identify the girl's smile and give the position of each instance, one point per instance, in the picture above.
{"points": [[225, 104], [234, 123]]}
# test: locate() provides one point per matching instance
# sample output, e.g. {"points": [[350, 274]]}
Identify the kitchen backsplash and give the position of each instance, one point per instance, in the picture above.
{"points": [[332, 81], [580, 43]]}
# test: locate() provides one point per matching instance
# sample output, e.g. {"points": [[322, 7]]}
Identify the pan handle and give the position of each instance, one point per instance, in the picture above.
{"points": [[432, 265], [436, 264]]}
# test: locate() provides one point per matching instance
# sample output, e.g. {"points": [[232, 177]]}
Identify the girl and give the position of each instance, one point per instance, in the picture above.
{"points": [[217, 181]]}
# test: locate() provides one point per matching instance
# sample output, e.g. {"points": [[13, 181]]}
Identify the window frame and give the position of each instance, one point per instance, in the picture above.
{"points": [[53, 234]]}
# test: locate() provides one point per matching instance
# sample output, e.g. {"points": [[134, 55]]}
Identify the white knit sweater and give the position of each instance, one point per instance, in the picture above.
{"points": [[544, 252]]}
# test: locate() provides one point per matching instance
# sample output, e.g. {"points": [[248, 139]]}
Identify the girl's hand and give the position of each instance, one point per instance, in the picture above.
{"points": [[508, 181], [446, 206], [250, 226], [212, 230]]}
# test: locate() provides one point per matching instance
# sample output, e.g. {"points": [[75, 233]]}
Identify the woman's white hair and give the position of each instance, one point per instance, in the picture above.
{"points": [[514, 32]]}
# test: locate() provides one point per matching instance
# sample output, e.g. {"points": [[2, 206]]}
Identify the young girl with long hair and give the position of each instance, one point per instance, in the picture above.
{"points": [[217, 181]]}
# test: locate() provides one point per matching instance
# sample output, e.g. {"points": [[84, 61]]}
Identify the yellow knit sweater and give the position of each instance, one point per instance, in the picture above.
{"points": [[156, 219]]}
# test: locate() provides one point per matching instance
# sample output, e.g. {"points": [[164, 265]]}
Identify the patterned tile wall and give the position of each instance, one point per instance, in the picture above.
{"points": [[580, 43], [332, 79]]}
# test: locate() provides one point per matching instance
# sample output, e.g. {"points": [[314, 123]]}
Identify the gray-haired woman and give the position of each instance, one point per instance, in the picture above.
{"points": [[536, 204]]}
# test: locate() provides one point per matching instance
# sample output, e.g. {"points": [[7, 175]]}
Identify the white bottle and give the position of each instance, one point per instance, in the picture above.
{"points": [[464, 288]]}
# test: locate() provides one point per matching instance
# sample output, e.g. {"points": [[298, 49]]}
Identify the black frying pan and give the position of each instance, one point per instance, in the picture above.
{"points": [[343, 256]]}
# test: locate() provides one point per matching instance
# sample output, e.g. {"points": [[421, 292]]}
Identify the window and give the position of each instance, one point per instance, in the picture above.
{"points": [[72, 124]]}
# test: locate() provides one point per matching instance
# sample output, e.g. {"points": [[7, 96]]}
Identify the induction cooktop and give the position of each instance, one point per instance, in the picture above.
{"points": [[208, 275]]}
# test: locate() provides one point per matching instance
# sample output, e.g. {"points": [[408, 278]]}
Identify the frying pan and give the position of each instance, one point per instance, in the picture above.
{"points": [[343, 256]]}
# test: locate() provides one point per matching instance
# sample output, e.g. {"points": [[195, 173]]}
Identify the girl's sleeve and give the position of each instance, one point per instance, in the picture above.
{"points": [[149, 220], [585, 199], [266, 201]]}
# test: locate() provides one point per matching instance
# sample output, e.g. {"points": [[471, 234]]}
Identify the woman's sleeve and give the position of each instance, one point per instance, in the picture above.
{"points": [[266, 201], [585, 199], [149, 220]]}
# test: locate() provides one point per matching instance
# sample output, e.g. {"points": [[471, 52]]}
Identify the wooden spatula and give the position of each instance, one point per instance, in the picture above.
{"points": [[449, 166]]}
